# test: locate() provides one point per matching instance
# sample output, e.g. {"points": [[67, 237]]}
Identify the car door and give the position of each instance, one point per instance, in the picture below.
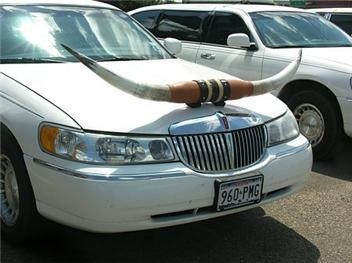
{"points": [[185, 26], [215, 53]]}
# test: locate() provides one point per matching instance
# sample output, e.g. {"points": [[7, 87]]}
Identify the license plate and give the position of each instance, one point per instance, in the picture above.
{"points": [[236, 193]]}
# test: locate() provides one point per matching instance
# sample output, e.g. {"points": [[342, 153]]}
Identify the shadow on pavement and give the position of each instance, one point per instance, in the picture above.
{"points": [[340, 167], [246, 237]]}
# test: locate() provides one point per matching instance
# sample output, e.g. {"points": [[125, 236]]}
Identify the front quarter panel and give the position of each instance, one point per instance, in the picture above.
{"points": [[22, 111], [337, 81]]}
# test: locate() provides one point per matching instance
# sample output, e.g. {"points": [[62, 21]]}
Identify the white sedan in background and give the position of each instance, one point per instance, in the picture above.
{"points": [[257, 41], [102, 129], [342, 17]]}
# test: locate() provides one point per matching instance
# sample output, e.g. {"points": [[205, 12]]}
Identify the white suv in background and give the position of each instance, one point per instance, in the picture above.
{"points": [[255, 42]]}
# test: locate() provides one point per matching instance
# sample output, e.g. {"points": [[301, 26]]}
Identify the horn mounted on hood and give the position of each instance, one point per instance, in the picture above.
{"points": [[194, 92]]}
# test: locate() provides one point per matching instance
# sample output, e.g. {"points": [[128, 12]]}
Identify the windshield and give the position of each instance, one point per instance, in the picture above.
{"points": [[34, 34], [293, 29]]}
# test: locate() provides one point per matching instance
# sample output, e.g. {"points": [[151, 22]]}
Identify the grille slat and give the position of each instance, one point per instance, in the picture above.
{"points": [[195, 152], [237, 149], [210, 152], [214, 151], [200, 152], [230, 149], [225, 151], [255, 138], [246, 147], [182, 148], [222, 151], [250, 139], [242, 155], [206, 153], [189, 151], [219, 151]]}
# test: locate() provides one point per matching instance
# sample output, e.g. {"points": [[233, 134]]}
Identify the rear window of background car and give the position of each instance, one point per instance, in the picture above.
{"points": [[147, 19], [185, 25], [344, 21]]}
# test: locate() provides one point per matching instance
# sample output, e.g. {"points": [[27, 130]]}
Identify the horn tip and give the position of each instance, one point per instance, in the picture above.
{"points": [[300, 53]]}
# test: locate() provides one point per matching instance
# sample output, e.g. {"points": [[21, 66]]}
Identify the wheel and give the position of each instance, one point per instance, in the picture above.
{"points": [[19, 217], [319, 121]]}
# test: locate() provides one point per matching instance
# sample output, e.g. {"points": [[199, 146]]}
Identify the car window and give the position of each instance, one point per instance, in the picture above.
{"points": [[37, 32], [223, 25], [147, 19], [344, 21], [183, 25], [297, 29]]}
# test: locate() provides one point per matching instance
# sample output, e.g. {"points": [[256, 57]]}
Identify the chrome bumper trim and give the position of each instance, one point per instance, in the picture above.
{"points": [[109, 177], [153, 176], [294, 151]]}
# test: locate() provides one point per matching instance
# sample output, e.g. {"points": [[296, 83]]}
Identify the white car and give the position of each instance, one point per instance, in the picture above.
{"points": [[256, 41], [342, 17], [103, 130]]}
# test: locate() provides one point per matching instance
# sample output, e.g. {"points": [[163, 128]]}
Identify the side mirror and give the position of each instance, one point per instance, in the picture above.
{"points": [[239, 40], [173, 45]]}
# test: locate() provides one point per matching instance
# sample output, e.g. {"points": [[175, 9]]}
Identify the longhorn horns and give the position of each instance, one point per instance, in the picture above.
{"points": [[192, 92]]}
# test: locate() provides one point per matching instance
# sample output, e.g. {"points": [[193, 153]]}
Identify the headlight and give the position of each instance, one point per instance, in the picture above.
{"points": [[101, 148], [282, 129]]}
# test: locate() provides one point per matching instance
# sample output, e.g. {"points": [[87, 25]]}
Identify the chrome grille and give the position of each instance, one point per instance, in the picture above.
{"points": [[222, 151]]}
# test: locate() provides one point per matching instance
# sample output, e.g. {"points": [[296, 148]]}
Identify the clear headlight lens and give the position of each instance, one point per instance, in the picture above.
{"points": [[101, 148], [282, 129]]}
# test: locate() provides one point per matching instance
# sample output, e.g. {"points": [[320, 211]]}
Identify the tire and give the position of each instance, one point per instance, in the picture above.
{"points": [[319, 120], [19, 216]]}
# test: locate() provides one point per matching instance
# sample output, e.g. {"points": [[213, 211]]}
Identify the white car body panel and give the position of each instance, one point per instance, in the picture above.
{"points": [[114, 198], [155, 117], [119, 205], [228, 60]]}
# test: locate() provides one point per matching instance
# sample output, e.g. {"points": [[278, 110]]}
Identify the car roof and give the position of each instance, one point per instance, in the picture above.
{"points": [[333, 10], [57, 2], [247, 8]]}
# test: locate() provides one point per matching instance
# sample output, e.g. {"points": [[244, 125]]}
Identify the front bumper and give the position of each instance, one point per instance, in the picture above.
{"points": [[346, 109], [127, 198]]}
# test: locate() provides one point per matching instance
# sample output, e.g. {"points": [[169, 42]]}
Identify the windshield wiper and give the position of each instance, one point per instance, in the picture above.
{"points": [[292, 46], [110, 57], [29, 60], [116, 58]]}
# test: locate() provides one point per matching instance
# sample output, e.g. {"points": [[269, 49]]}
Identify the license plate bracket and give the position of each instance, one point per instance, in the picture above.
{"points": [[236, 193]]}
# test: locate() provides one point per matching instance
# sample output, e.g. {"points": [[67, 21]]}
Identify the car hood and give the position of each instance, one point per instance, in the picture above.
{"points": [[333, 58], [339, 55], [96, 105]]}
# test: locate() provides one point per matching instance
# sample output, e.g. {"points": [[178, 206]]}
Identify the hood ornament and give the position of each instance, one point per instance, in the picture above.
{"points": [[218, 122], [193, 92], [223, 120]]}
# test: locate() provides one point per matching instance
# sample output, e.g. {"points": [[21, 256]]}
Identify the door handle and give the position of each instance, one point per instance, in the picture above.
{"points": [[207, 56]]}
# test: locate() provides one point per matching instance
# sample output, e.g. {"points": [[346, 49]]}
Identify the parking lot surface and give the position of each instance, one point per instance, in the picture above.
{"points": [[311, 226]]}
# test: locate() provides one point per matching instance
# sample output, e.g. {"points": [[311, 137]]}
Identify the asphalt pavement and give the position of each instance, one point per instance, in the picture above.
{"points": [[314, 225]]}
